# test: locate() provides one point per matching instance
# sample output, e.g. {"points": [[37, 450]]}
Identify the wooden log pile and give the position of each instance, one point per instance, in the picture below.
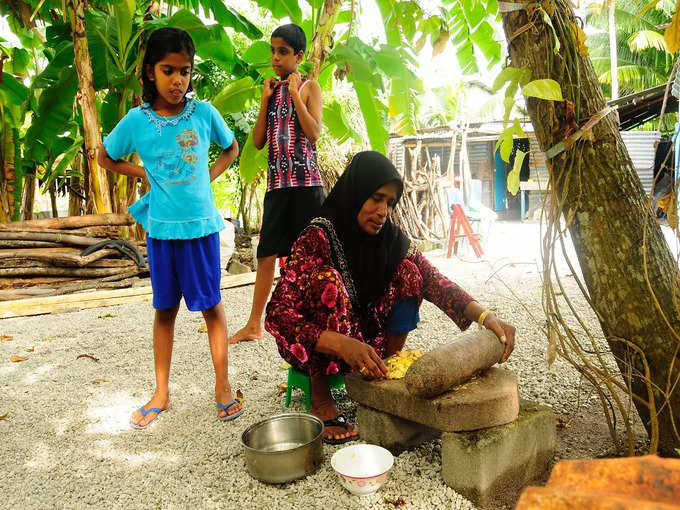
{"points": [[44, 257], [422, 212]]}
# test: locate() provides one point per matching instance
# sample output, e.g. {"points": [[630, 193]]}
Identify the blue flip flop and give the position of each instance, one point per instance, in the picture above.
{"points": [[144, 412], [225, 408]]}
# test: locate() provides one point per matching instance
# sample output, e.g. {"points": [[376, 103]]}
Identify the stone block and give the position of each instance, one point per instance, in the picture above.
{"points": [[391, 432], [237, 267], [490, 467], [488, 400]]}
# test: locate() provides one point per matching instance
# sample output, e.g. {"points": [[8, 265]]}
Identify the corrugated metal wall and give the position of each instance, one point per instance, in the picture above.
{"points": [[640, 145]]}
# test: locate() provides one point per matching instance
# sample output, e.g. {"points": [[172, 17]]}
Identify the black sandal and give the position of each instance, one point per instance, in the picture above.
{"points": [[339, 421]]}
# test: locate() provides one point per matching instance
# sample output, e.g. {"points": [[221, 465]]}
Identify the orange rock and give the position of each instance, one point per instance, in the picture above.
{"points": [[602, 484]]}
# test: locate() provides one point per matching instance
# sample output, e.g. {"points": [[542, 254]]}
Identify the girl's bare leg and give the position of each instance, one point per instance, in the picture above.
{"points": [[216, 322], [163, 334]]}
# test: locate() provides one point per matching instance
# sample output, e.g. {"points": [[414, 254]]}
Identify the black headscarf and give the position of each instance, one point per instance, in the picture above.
{"points": [[371, 259]]}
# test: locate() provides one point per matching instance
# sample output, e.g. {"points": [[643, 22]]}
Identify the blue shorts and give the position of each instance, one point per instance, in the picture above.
{"points": [[185, 267], [403, 317]]}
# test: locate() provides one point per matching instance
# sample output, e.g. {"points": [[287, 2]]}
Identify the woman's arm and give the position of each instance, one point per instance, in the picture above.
{"points": [[121, 166], [459, 305]]}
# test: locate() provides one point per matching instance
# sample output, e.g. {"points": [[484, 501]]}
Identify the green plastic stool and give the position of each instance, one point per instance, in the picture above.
{"points": [[301, 380]]}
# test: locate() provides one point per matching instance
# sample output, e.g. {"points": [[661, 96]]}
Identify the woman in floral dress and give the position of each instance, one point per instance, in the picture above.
{"points": [[350, 290]]}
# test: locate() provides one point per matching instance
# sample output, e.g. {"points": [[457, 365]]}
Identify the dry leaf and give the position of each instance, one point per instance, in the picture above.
{"points": [[239, 396], [203, 329], [30, 349], [560, 423], [395, 502], [6, 338], [580, 37], [87, 356], [16, 358], [48, 339], [281, 388], [99, 381], [672, 33], [3, 416]]}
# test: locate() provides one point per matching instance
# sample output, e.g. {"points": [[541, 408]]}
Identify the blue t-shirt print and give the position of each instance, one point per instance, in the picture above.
{"points": [[178, 166]]}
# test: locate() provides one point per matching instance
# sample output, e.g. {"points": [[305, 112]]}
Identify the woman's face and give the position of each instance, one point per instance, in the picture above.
{"points": [[377, 208]]}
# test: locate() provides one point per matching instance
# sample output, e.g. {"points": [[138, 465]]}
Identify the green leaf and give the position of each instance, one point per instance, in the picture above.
{"points": [[228, 17], [55, 108], [474, 12], [282, 8], [337, 125], [14, 90], [513, 176], [466, 58], [66, 159], [373, 112], [258, 52], [62, 59], [252, 161], [211, 41], [543, 89], [124, 11], [511, 74], [238, 96], [483, 37]]}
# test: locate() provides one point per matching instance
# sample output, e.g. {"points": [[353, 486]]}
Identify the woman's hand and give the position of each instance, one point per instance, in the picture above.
{"points": [[360, 356], [363, 359], [504, 331]]}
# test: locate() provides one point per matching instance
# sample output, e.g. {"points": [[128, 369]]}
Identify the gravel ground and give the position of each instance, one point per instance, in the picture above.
{"points": [[67, 442]]}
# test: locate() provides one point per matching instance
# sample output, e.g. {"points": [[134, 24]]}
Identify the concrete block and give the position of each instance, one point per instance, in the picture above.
{"points": [[490, 467], [488, 400], [391, 432]]}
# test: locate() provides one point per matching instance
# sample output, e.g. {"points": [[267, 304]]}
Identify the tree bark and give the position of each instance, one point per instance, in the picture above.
{"points": [[323, 38], [99, 184], [604, 196]]}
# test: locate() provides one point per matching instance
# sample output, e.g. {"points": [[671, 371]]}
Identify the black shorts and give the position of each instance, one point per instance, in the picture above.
{"points": [[286, 213]]}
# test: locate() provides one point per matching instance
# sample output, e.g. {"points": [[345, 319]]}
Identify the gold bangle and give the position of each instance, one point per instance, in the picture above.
{"points": [[482, 318]]}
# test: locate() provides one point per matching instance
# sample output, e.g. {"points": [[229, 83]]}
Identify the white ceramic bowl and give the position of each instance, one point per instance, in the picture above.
{"points": [[363, 468]]}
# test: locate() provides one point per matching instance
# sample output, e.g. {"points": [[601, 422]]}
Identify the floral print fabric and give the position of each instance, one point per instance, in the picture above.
{"points": [[310, 298]]}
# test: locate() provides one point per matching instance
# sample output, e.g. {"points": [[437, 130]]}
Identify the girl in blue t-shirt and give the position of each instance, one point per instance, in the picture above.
{"points": [[171, 133]]}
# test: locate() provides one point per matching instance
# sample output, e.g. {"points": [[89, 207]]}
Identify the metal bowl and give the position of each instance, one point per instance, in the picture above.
{"points": [[284, 447]]}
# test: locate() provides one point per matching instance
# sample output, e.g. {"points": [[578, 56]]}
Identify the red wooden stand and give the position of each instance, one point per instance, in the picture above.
{"points": [[460, 222]]}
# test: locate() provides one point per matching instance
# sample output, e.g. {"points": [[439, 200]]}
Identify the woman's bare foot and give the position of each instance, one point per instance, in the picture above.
{"points": [[157, 401], [224, 396], [323, 407], [246, 334]]}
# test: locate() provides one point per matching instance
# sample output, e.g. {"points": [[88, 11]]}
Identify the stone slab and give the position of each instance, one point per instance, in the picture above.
{"points": [[488, 400], [391, 432], [491, 467]]}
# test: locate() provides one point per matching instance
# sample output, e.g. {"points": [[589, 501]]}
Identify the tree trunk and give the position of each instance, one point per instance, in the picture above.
{"points": [[604, 196], [323, 38], [99, 185], [29, 196], [53, 200], [76, 192]]}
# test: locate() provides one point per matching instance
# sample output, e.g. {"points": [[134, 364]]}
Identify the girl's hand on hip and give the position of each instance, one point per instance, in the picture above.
{"points": [[505, 333], [363, 359]]}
